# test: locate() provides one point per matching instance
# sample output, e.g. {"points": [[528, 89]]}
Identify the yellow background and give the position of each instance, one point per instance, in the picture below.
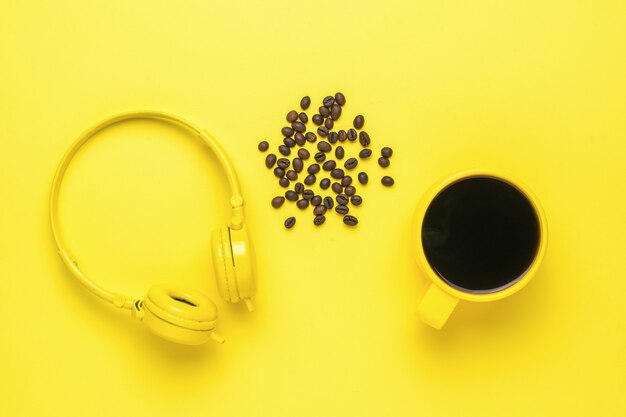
{"points": [[536, 89]]}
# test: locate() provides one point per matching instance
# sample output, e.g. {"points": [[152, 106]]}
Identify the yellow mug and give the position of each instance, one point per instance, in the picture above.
{"points": [[479, 236]]}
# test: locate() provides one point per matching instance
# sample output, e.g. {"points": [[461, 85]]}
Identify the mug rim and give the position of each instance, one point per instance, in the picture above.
{"points": [[490, 295]]}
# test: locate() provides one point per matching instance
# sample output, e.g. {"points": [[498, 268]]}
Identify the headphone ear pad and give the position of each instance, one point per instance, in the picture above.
{"points": [[223, 264], [234, 264], [182, 316]]}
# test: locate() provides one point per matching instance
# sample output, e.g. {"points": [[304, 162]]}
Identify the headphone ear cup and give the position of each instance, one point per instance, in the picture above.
{"points": [[234, 264], [245, 263], [182, 316]]}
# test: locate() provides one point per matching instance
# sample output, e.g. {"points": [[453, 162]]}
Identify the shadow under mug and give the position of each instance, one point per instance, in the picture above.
{"points": [[479, 236]]}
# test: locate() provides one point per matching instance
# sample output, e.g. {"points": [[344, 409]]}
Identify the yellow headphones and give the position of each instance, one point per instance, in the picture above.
{"points": [[179, 315]]}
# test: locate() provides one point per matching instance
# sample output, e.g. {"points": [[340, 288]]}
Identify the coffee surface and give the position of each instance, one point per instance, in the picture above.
{"points": [[480, 234]]}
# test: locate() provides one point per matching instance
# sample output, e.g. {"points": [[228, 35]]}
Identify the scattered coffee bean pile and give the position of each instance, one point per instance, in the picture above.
{"points": [[331, 143]]}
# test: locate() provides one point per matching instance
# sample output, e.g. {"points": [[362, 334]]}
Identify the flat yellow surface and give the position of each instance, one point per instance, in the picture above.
{"points": [[534, 88]]}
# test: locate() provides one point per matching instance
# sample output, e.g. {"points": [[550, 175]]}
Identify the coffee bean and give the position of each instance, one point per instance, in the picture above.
{"points": [[298, 126], [308, 194], [313, 169], [290, 222], [329, 165], [289, 142], [286, 131], [386, 152], [303, 117], [310, 179], [283, 163], [345, 181], [291, 195], [319, 210], [263, 146], [318, 220], [316, 200], [292, 175], [342, 135], [298, 188], [284, 150], [332, 137], [324, 146], [337, 188], [340, 99], [302, 204], [329, 123], [356, 200], [297, 164], [320, 156], [328, 101], [329, 202], [325, 183], [341, 209], [310, 137], [349, 190], [279, 172], [363, 178], [352, 135], [337, 173], [305, 102], [358, 122], [350, 220], [339, 152], [351, 163], [387, 181], [270, 160], [365, 153], [335, 111], [299, 138], [303, 153], [292, 116], [322, 131], [284, 182], [324, 111], [364, 138], [278, 201], [317, 119], [341, 199], [383, 162]]}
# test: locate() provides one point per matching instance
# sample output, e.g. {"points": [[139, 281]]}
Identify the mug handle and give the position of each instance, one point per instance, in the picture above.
{"points": [[436, 306]]}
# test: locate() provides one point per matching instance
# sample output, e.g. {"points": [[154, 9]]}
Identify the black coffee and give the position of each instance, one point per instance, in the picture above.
{"points": [[480, 234]]}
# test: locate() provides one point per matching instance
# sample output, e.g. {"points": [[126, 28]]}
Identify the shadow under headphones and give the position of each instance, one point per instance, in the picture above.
{"points": [[181, 315]]}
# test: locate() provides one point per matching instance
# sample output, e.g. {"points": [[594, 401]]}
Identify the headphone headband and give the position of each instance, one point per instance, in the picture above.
{"points": [[236, 200]]}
